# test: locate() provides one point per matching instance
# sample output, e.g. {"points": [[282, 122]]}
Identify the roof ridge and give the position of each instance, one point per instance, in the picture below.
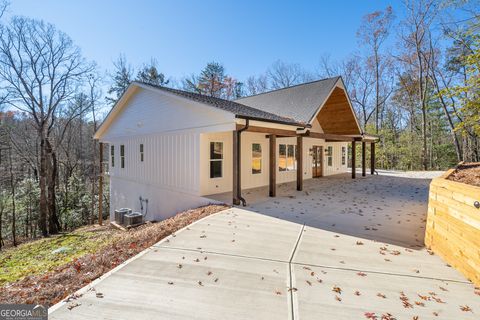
{"points": [[289, 87]]}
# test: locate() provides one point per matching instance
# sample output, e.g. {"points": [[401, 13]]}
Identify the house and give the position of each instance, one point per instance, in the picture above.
{"points": [[178, 148]]}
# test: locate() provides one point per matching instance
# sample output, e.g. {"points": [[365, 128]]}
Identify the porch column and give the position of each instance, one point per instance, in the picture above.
{"points": [[364, 159], [236, 188], [354, 156], [299, 163], [372, 157], [273, 165], [100, 185]]}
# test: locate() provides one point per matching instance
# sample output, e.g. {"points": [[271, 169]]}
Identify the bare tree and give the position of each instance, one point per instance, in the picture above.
{"points": [[256, 85], [415, 39], [373, 32], [41, 70], [281, 75]]}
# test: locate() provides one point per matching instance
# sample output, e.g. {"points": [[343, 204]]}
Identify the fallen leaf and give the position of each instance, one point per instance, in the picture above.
{"points": [[308, 282], [370, 315], [337, 289], [361, 274], [338, 298], [465, 308], [381, 295]]}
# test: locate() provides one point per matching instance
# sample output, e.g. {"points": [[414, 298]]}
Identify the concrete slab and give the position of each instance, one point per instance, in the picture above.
{"points": [[389, 209], [364, 235], [331, 249], [242, 233], [177, 284], [325, 293]]}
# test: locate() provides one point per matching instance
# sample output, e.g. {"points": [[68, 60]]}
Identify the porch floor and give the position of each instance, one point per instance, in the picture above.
{"points": [[389, 207]]}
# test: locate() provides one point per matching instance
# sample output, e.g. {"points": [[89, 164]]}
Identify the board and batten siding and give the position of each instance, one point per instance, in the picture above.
{"points": [[169, 128], [209, 186]]}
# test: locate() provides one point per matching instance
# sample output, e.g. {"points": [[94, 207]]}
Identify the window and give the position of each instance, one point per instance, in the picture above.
{"points": [[122, 156], [330, 156], [286, 157], [141, 152], [256, 158], [344, 155], [216, 159], [112, 155]]}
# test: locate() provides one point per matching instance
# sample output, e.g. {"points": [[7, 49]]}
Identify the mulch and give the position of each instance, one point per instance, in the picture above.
{"points": [[52, 287], [468, 173]]}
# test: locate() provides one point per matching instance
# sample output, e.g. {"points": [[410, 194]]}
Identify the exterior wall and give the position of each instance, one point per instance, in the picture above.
{"points": [[148, 112], [249, 180], [169, 129], [453, 225]]}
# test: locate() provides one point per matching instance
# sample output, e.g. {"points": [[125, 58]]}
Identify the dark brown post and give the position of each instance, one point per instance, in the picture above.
{"points": [[299, 163], [236, 168], [100, 186], [354, 156], [273, 165], [372, 157], [364, 159]]}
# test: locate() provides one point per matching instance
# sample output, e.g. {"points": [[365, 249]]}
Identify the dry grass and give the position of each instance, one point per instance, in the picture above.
{"points": [[51, 287], [468, 173]]}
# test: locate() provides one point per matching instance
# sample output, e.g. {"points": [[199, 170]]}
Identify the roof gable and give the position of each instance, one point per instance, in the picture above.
{"points": [[300, 102]]}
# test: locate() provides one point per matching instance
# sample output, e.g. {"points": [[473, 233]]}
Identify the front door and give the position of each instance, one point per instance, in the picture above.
{"points": [[317, 161]]}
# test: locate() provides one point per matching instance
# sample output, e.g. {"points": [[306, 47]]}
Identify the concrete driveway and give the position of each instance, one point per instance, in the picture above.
{"points": [[340, 249]]}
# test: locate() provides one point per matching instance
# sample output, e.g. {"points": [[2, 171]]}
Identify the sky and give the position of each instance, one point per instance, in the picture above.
{"points": [[183, 36]]}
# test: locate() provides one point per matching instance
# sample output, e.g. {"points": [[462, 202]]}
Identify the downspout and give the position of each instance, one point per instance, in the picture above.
{"points": [[239, 146]]}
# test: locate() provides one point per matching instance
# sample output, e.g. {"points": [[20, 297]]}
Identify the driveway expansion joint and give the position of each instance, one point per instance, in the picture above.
{"points": [[290, 271]]}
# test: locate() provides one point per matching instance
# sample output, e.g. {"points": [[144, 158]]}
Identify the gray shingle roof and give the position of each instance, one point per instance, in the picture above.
{"points": [[240, 110], [299, 102]]}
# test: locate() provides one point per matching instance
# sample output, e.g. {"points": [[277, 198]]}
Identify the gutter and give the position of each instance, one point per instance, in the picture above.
{"points": [[238, 173], [274, 121]]}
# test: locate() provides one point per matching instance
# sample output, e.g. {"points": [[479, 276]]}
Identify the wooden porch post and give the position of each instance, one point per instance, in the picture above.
{"points": [[100, 186], [354, 156], [236, 168], [273, 165], [299, 163], [372, 158], [364, 159]]}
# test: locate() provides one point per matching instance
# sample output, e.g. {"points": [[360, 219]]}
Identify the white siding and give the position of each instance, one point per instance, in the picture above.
{"points": [[148, 112], [170, 160], [169, 129]]}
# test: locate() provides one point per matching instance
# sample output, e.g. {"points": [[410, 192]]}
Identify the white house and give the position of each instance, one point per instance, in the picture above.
{"points": [[177, 148]]}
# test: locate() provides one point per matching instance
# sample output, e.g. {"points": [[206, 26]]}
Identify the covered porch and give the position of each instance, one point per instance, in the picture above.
{"points": [[301, 151]]}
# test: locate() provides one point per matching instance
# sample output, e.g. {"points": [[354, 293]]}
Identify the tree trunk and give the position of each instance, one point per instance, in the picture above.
{"points": [[53, 223], [12, 188], [42, 221]]}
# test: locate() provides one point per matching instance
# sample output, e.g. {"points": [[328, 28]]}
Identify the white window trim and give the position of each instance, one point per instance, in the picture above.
{"points": [[295, 166]]}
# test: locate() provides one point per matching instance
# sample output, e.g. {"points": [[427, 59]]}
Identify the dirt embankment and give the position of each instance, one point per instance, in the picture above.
{"points": [[468, 173]]}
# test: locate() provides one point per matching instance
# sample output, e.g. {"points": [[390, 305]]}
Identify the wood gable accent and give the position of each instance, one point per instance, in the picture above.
{"points": [[336, 115]]}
